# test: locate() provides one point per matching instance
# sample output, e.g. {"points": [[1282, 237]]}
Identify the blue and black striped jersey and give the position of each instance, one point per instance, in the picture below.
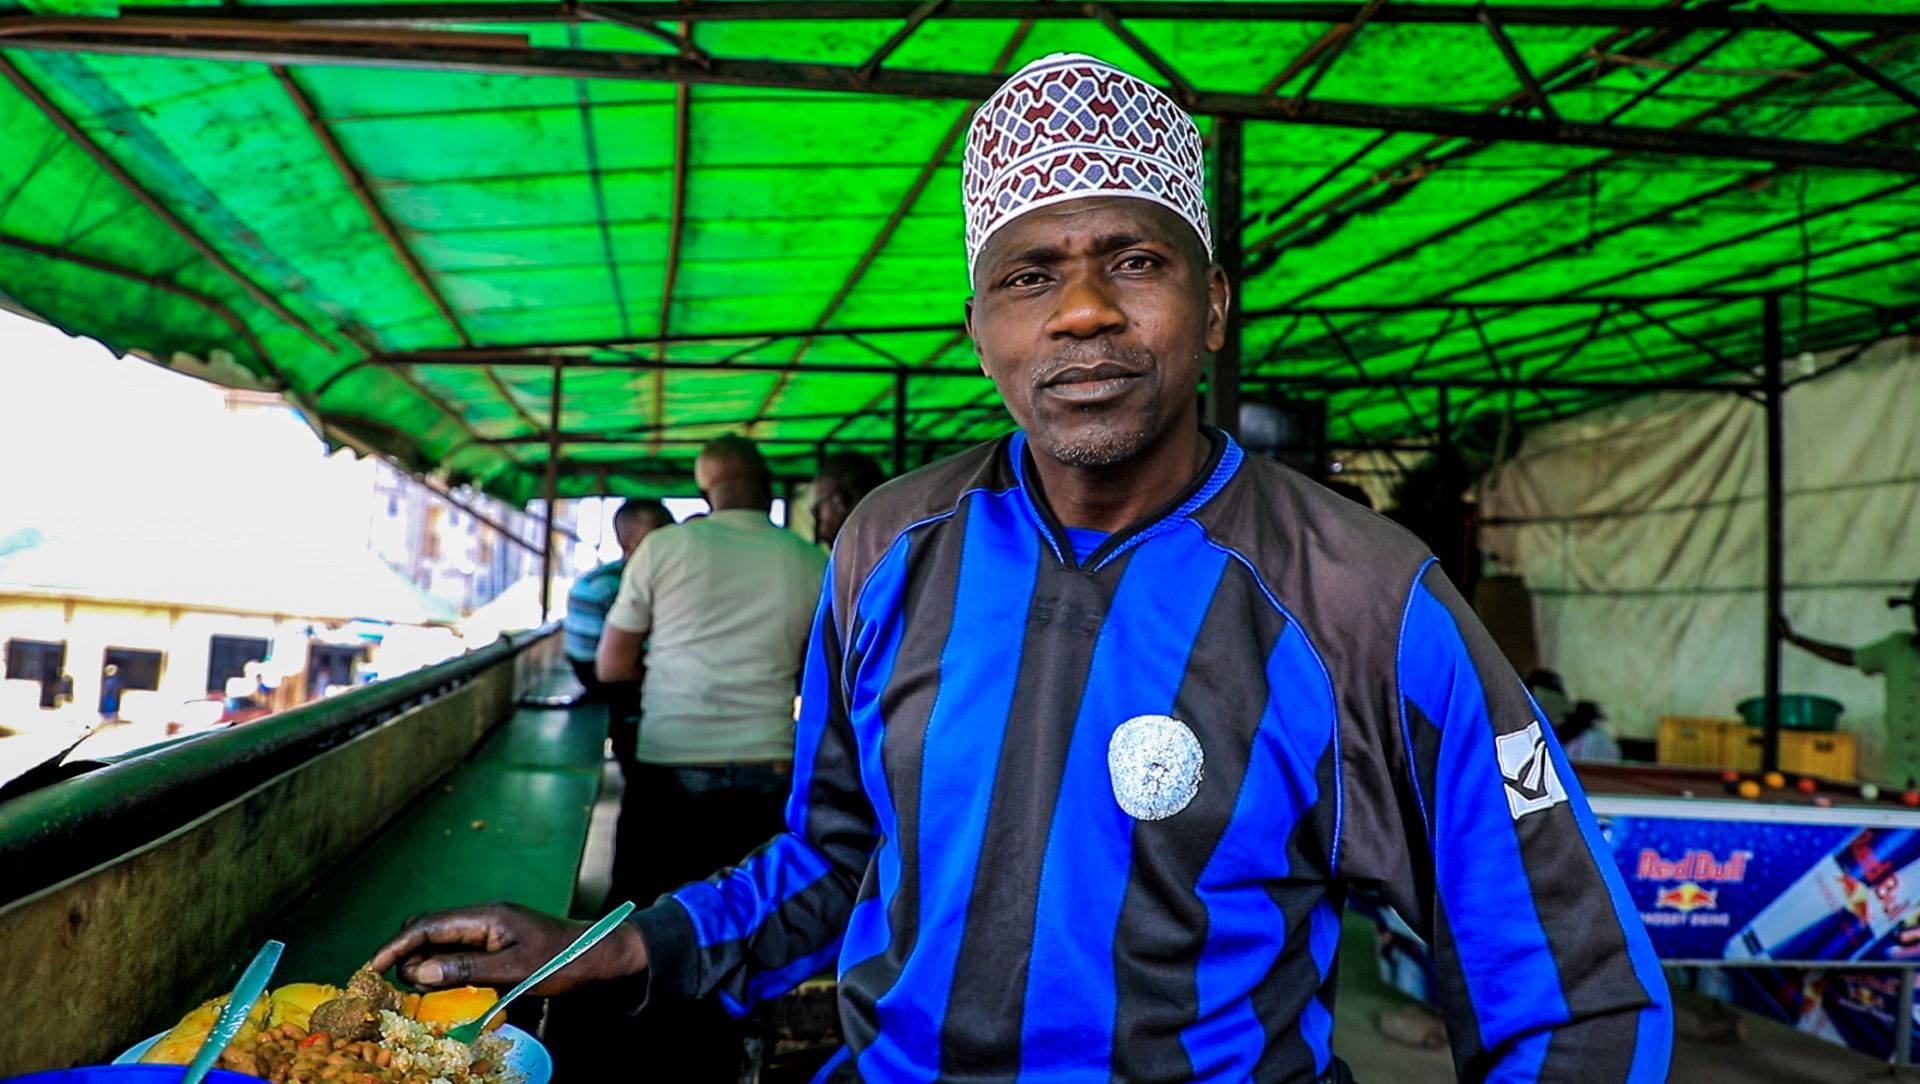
{"points": [[1063, 819]]}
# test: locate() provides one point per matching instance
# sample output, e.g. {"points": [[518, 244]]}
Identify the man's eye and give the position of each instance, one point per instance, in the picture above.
{"points": [[1025, 279], [1137, 261]]}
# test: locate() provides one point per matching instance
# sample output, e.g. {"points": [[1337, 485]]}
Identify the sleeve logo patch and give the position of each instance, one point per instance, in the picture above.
{"points": [[1156, 764], [1531, 781]]}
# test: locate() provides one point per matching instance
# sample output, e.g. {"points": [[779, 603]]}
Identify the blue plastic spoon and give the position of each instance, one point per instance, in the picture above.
{"points": [[471, 1030], [253, 982]]}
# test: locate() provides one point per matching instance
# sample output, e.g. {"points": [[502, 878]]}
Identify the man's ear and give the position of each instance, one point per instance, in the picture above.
{"points": [[973, 339], [1219, 303]]}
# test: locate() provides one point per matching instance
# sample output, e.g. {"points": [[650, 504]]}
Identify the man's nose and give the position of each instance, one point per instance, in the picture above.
{"points": [[1087, 308]]}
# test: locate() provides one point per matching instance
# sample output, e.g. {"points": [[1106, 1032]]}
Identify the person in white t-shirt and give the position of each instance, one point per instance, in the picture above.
{"points": [[722, 606], [1898, 657]]}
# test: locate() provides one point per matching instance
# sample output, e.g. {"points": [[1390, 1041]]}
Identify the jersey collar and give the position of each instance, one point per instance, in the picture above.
{"points": [[1222, 461]]}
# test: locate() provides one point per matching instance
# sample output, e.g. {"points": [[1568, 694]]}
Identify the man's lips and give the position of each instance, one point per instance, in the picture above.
{"points": [[1091, 385], [1099, 373]]}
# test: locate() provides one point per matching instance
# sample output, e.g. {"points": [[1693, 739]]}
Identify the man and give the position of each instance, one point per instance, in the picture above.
{"points": [[844, 480], [722, 605], [593, 593], [1103, 720], [1898, 657]]}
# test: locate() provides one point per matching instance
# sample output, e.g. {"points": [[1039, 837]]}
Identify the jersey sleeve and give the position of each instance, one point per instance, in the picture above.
{"points": [[1546, 972], [754, 931]]}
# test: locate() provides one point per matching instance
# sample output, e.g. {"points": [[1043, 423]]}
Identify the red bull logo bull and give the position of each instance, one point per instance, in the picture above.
{"points": [[1687, 898]]}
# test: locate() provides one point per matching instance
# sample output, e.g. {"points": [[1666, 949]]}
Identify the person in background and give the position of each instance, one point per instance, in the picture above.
{"points": [[593, 593], [1584, 738], [111, 685], [1896, 655], [722, 606], [1549, 691], [844, 479]]}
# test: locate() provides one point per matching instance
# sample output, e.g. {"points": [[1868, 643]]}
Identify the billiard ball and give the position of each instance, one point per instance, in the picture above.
{"points": [[1870, 792], [1822, 801], [1807, 786], [1910, 798], [1729, 776], [1775, 780], [1749, 789]]}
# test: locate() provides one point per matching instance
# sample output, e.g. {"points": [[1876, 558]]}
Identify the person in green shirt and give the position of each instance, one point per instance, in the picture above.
{"points": [[1898, 657]]}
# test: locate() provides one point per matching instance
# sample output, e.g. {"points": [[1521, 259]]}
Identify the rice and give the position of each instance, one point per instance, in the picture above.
{"points": [[417, 1046]]}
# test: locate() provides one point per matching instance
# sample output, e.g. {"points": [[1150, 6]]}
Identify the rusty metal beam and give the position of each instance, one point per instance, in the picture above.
{"points": [[683, 41], [1535, 92], [211, 304], [1705, 17], [153, 205], [383, 224], [900, 212], [676, 227], [1795, 26], [887, 48], [1331, 54], [370, 203], [1490, 213], [646, 67], [550, 491], [1419, 159], [1183, 91]]}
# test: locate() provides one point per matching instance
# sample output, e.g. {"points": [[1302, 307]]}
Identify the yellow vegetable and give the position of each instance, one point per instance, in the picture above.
{"points": [[458, 1006], [295, 1002], [177, 1047]]}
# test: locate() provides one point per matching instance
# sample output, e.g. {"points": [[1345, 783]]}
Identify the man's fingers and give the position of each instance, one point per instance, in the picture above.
{"points": [[434, 972], [473, 926], [466, 969], [409, 939]]}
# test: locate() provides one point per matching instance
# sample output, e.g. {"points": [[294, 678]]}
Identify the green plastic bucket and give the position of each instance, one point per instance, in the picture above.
{"points": [[1798, 711]]}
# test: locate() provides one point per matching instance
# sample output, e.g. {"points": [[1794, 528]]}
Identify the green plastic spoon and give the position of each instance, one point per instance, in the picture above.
{"points": [[471, 1030], [253, 982]]}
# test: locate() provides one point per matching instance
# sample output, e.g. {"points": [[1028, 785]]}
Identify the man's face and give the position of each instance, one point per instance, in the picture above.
{"points": [[830, 508], [1092, 318]]}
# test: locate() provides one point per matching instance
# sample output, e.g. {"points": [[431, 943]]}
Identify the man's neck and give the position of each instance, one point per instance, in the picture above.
{"points": [[1110, 498]]}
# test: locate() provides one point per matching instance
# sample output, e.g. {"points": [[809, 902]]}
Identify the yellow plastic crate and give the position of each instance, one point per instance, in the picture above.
{"points": [[1697, 741]]}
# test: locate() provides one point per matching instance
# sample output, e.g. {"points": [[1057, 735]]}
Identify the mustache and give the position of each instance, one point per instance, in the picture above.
{"points": [[1100, 352]]}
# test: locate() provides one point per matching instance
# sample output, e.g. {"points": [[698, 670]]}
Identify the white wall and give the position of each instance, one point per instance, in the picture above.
{"points": [[1641, 532]]}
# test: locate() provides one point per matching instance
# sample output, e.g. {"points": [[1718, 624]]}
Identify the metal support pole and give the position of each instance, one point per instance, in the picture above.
{"points": [[1903, 1024], [551, 491], [1223, 366], [1773, 398], [900, 423]]}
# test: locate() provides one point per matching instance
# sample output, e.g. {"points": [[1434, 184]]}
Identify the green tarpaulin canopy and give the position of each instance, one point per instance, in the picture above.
{"points": [[742, 215]]}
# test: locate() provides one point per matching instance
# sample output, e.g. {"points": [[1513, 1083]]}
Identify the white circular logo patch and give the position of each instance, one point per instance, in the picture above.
{"points": [[1155, 762]]}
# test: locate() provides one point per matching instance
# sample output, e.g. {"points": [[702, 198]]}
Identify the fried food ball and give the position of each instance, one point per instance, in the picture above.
{"points": [[349, 1017], [368, 985]]}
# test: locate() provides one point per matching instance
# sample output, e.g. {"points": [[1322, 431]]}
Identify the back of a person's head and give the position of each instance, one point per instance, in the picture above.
{"points": [[854, 474], [732, 473], [642, 510]]}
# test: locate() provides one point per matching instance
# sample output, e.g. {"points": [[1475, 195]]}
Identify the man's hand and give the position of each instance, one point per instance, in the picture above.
{"points": [[499, 944]]}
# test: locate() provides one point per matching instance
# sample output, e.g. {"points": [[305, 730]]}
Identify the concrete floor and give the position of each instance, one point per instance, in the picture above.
{"points": [[1768, 1053]]}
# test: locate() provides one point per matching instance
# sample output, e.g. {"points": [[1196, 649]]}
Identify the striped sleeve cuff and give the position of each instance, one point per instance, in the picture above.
{"points": [[672, 971]]}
